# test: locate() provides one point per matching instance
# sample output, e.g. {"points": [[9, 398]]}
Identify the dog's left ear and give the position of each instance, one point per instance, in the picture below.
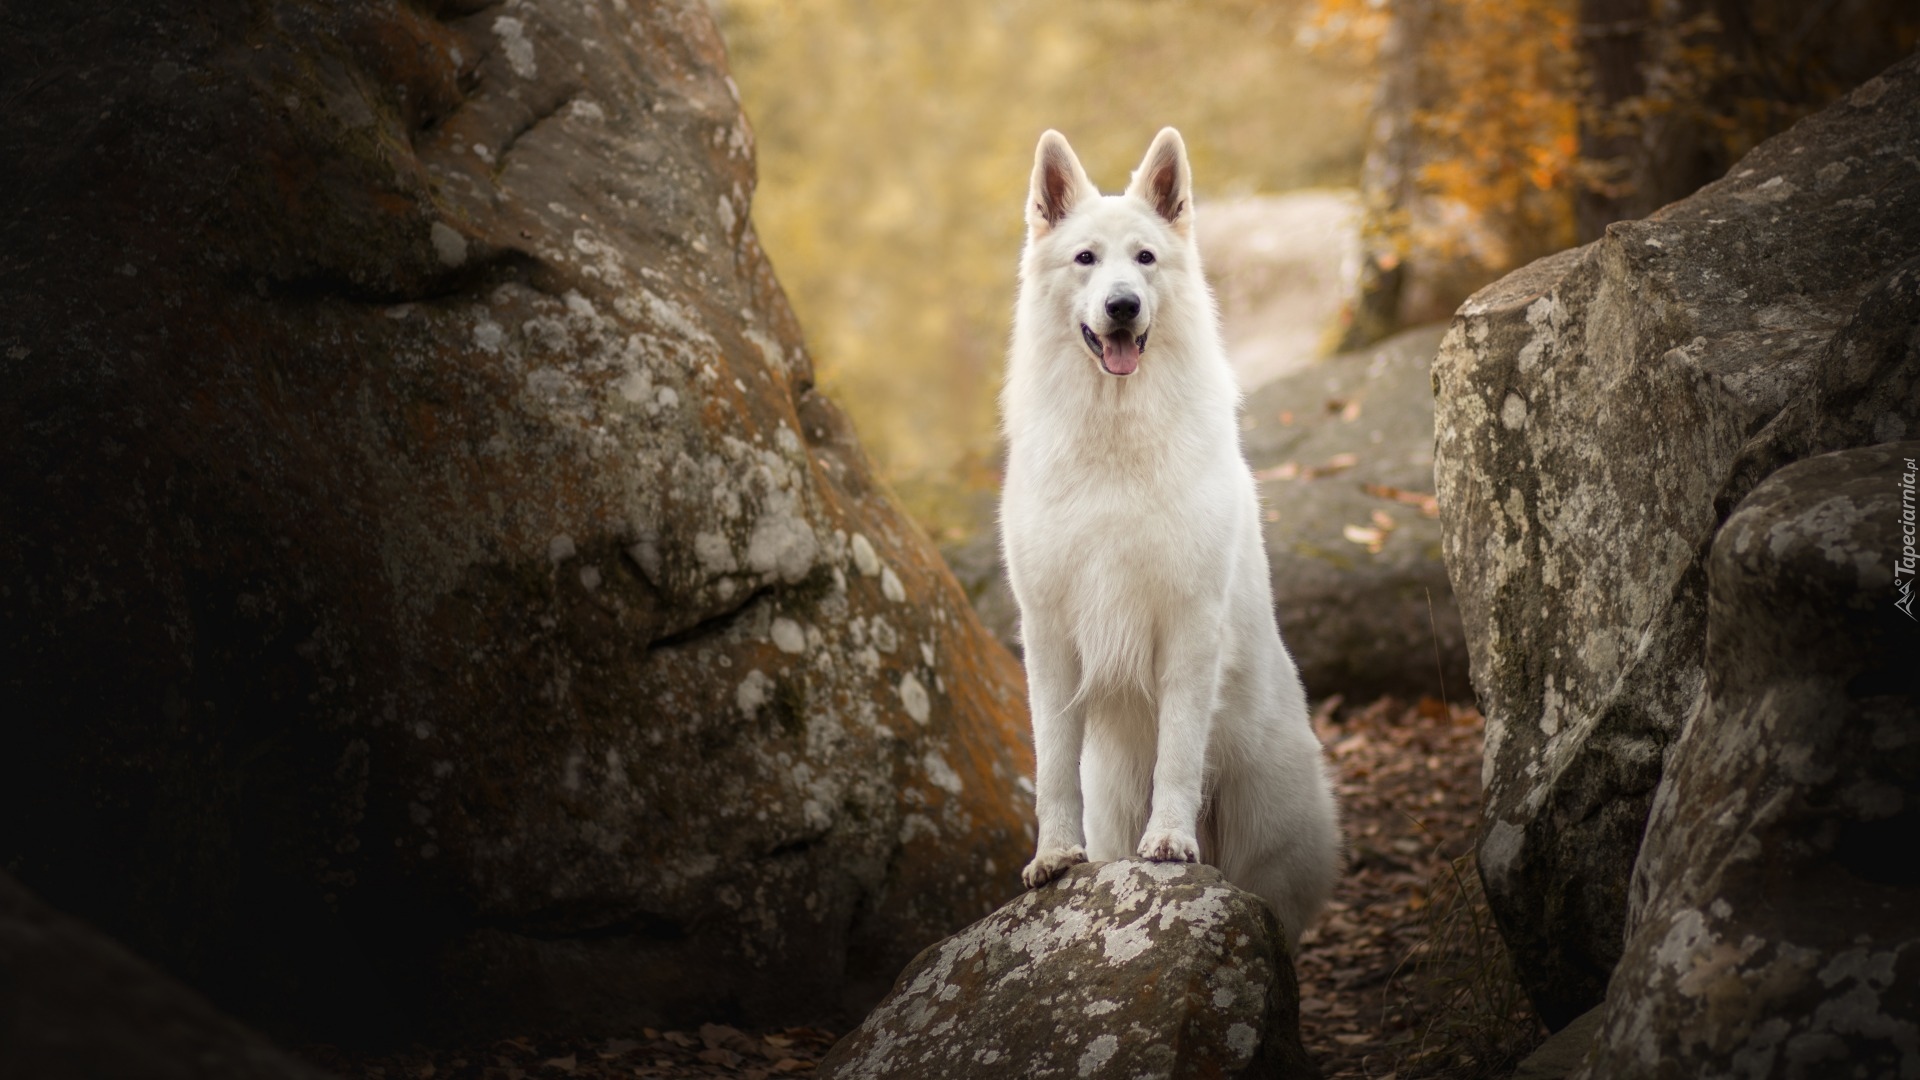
{"points": [[1165, 181]]}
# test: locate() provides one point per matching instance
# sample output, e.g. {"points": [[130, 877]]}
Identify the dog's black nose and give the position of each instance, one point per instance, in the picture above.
{"points": [[1122, 307]]}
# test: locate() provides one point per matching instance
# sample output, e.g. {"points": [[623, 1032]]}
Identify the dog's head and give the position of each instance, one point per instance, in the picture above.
{"points": [[1105, 265]]}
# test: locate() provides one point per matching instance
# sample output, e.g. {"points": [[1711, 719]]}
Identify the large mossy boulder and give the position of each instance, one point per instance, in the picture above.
{"points": [[433, 593], [1600, 412], [1774, 929], [1121, 969]]}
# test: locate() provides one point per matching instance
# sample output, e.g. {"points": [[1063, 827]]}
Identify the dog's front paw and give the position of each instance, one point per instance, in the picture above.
{"points": [[1049, 862], [1165, 845]]}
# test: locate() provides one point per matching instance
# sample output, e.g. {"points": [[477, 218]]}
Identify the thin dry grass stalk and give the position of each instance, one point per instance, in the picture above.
{"points": [[1478, 1022]]}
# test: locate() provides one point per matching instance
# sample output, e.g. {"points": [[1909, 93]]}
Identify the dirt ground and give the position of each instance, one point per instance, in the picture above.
{"points": [[1403, 978]]}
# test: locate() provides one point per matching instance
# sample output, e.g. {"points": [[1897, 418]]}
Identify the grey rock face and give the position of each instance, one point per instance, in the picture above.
{"points": [[434, 593], [74, 1004], [1345, 452], [1123, 969], [1599, 413], [1776, 904]]}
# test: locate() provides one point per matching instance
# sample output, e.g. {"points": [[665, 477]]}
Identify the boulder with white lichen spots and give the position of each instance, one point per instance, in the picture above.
{"points": [[1774, 929], [434, 595], [1600, 412], [1121, 969]]}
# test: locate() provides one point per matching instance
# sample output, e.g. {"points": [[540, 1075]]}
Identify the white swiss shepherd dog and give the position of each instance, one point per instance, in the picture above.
{"points": [[1168, 720]]}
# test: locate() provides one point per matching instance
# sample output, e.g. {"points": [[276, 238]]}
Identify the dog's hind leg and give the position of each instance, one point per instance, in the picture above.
{"points": [[1279, 841]]}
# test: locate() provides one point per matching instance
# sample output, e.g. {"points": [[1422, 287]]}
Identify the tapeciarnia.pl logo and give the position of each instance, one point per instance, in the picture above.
{"points": [[1903, 567]]}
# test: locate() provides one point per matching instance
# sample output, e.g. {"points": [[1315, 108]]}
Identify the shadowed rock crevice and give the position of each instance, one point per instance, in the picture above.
{"points": [[77, 1004]]}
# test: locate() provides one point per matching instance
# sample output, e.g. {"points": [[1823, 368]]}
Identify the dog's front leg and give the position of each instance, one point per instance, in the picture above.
{"points": [[1189, 692], [1059, 726]]}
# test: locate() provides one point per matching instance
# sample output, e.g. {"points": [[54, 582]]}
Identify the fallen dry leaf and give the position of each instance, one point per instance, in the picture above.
{"points": [[1427, 504], [618, 1048], [1335, 464], [1370, 538]]}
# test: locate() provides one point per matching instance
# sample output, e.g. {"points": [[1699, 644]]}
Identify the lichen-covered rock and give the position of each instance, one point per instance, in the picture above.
{"points": [[1345, 452], [74, 1004], [1122, 969], [432, 590], [1776, 904], [1599, 413]]}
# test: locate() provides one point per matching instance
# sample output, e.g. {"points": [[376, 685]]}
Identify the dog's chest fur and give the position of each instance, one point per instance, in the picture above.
{"points": [[1119, 529]]}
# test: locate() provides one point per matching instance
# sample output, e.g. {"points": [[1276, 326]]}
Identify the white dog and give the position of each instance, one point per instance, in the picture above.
{"points": [[1159, 686]]}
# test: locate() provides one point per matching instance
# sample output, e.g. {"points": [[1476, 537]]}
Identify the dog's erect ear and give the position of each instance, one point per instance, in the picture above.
{"points": [[1058, 183], [1165, 181]]}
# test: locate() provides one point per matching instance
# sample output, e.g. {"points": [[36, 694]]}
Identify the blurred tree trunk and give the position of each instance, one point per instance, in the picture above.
{"points": [[1505, 129], [1388, 175], [1678, 90], [1613, 35]]}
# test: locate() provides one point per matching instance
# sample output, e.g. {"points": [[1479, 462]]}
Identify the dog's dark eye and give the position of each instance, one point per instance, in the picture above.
{"points": [[1085, 258], [1145, 258]]}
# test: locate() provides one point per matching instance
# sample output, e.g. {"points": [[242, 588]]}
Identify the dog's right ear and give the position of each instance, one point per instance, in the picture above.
{"points": [[1059, 183]]}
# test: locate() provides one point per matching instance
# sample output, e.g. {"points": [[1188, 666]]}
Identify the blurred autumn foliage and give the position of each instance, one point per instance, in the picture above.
{"points": [[896, 137], [1503, 130]]}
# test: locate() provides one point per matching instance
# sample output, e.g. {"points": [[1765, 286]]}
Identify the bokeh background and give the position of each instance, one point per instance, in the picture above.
{"points": [[1449, 140], [895, 143]]}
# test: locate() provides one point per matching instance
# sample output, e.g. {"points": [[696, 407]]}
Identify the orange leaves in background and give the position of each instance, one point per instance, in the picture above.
{"points": [[1503, 129], [1474, 159], [1357, 25]]}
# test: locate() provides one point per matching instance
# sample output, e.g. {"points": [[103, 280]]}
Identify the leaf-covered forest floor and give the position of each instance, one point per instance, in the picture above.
{"points": [[1403, 978]]}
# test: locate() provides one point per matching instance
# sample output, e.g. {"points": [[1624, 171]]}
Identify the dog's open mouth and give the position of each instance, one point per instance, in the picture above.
{"points": [[1119, 353]]}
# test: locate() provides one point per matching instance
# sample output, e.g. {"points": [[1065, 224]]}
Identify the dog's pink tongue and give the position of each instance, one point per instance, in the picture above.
{"points": [[1120, 353]]}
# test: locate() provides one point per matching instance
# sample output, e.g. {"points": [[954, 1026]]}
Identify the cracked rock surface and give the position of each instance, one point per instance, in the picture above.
{"points": [[1121, 969], [1600, 412], [1773, 923], [435, 597]]}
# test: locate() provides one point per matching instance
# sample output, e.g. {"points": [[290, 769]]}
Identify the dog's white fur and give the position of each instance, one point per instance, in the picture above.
{"points": [[1131, 522]]}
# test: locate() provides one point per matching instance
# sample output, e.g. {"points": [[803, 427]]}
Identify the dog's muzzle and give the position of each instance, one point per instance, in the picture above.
{"points": [[1118, 352]]}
